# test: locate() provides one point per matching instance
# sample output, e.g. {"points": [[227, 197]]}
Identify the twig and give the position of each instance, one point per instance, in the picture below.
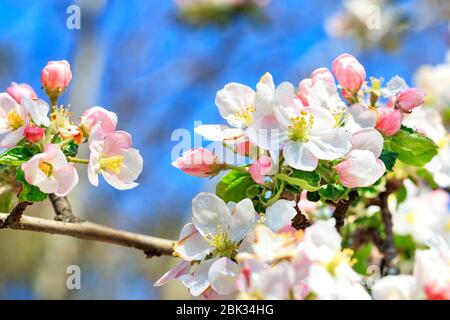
{"points": [[388, 265], [151, 246], [300, 221], [341, 208], [13, 219], [63, 209]]}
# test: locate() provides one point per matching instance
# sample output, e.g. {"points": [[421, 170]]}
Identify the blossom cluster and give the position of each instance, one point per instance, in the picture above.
{"points": [[269, 231], [40, 141]]}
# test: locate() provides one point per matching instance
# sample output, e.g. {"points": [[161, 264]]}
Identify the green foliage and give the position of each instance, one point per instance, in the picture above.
{"points": [[333, 192], [70, 149], [309, 181], [313, 196], [388, 157], [362, 256], [6, 201], [17, 155], [234, 185], [413, 147], [29, 192]]}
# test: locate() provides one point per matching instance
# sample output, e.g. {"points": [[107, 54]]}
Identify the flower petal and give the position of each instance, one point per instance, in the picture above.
{"points": [[243, 219], [209, 212], [223, 274], [280, 214], [368, 139], [191, 246], [298, 156]]}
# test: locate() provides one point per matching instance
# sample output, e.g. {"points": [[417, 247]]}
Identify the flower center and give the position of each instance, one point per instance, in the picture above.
{"points": [[113, 163], [220, 240], [246, 116], [345, 256], [14, 120], [46, 168], [410, 217], [300, 126]]}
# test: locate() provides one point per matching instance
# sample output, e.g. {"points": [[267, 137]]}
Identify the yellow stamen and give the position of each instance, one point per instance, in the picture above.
{"points": [[410, 217], [14, 120], [220, 240], [342, 257], [46, 168], [246, 116], [301, 125], [113, 163]]}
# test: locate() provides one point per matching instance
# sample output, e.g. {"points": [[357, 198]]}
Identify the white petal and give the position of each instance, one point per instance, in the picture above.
{"points": [[330, 145], [401, 287], [191, 246], [10, 139], [198, 282], [297, 155], [216, 132], [243, 219], [223, 274], [180, 269], [323, 119], [232, 99], [285, 107], [280, 214], [267, 133], [360, 117], [38, 110], [264, 96], [209, 212], [368, 139]]}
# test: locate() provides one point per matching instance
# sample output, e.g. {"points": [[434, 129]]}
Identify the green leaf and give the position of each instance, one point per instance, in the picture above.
{"points": [[234, 185], [413, 147], [6, 200], [333, 192], [388, 157], [253, 191], [401, 194], [313, 196], [362, 256], [70, 149], [428, 177], [29, 192], [308, 181], [17, 155]]}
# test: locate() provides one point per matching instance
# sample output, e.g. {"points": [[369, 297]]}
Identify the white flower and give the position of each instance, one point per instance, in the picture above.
{"points": [[306, 134], [240, 106], [401, 287], [215, 229]]}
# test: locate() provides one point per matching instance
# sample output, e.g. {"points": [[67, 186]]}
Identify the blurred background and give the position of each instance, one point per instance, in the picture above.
{"points": [[160, 72]]}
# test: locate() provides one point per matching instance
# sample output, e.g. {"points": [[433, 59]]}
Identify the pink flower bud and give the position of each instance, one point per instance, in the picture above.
{"points": [[349, 72], [198, 162], [33, 134], [19, 91], [410, 99], [55, 77], [260, 168], [389, 121]]}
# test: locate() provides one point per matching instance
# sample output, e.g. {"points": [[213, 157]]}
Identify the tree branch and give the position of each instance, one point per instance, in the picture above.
{"points": [[151, 246], [63, 209], [388, 265], [341, 208], [13, 219]]}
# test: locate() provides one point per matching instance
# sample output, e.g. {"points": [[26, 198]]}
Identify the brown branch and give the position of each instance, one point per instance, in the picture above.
{"points": [[341, 208], [388, 265], [151, 246], [63, 209], [13, 219], [300, 221]]}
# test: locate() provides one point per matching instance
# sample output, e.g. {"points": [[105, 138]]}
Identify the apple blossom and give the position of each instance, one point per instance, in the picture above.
{"points": [[389, 121], [98, 120], [55, 77], [410, 98], [306, 134], [38, 110], [260, 169], [33, 134], [114, 158], [19, 91], [51, 172], [349, 72], [215, 228], [198, 162], [361, 166], [13, 121], [305, 86]]}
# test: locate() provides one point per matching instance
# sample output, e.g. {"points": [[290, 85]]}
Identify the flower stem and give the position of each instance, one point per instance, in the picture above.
{"points": [[77, 160]]}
